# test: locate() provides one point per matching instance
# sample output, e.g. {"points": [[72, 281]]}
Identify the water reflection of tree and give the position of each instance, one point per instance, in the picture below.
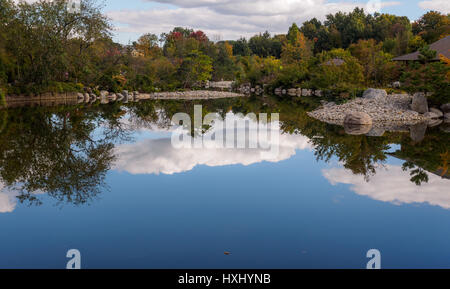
{"points": [[56, 152], [361, 154], [431, 155], [67, 151]]}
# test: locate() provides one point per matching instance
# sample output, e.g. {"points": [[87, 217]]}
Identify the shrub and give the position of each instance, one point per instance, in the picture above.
{"points": [[2, 97], [328, 73]]}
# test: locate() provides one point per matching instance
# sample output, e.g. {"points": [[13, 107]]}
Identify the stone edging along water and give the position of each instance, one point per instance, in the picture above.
{"points": [[107, 97]]}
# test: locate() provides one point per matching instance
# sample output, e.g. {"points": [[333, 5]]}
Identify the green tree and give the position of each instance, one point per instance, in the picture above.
{"points": [[432, 26], [195, 69]]}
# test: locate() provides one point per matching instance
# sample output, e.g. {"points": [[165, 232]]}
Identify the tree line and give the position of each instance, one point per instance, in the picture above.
{"points": [[44, 47]]}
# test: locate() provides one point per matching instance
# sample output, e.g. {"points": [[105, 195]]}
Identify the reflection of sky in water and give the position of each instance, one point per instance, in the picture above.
{"points": [[182, 209]]}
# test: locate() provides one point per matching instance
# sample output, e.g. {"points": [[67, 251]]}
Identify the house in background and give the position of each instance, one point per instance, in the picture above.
{"points": [[442, 47]]}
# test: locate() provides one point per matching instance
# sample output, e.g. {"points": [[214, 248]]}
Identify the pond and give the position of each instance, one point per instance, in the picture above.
{"points": [[106, 180]]}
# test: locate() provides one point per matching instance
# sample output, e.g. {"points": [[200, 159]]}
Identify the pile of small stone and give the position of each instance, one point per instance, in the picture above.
{"points": [[376, 104]]}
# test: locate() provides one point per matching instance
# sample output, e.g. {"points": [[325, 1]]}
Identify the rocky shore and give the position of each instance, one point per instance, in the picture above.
{"points": [[125, 96], [377, 112], [199, 94], [394, 108], [380, 107]]}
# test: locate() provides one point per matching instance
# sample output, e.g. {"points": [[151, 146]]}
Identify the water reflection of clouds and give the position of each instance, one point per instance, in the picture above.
{"points": [[8, 199], [392, 184], [157, 156]]}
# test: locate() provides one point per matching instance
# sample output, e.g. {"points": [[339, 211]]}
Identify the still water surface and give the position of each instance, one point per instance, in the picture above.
{"points": [[105, 180]]}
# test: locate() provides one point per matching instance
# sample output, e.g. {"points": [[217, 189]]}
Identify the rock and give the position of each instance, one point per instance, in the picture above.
{"points": [[378, 94], [445, 107], [376, 132], [396, 84], [104, 100], [358, 118], [86, 97], [306, 92], [92, 98], [103, 93], [278, 91], [431, 115], [437, 112], [417, 132], [434, 122], [112, 97], [120, 97], [292, 92], [419, 103], [283, 91], [447, 115], [318, 93], [124, 92], [357, 129]]}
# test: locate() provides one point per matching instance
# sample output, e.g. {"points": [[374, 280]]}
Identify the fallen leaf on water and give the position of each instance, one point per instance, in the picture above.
{"points": [[227, 253]]}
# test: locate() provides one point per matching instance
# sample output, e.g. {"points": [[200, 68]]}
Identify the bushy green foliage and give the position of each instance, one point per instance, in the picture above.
{"points": [[45, 48], [378, 68], [330, 72], [2, 97], [428, 77]]}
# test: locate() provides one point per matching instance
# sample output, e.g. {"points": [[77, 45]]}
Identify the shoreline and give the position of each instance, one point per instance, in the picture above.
{"points": [[105, 97]]}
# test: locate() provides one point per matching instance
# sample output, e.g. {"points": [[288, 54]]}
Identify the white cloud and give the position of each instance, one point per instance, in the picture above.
{"points": [[392, 184], [437, 5], [230, 18]]}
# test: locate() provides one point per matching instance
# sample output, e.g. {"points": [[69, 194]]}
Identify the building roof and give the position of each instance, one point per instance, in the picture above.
{"points": [[441, 47]]}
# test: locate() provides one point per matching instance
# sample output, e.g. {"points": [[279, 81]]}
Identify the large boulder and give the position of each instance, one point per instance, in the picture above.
{"points": [[419, 103], [432, 115], [434, 122], [437, 112], [445, 107], [376, 132], [417, 132], [358, 118], [447, 116], [357, 129], [377, 94]]}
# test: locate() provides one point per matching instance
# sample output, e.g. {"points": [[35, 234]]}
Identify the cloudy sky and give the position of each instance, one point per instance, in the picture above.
{"points": [[231, 19]]}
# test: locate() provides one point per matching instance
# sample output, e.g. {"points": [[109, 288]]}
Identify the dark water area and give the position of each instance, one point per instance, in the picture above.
{"points": [[106, 180]]}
